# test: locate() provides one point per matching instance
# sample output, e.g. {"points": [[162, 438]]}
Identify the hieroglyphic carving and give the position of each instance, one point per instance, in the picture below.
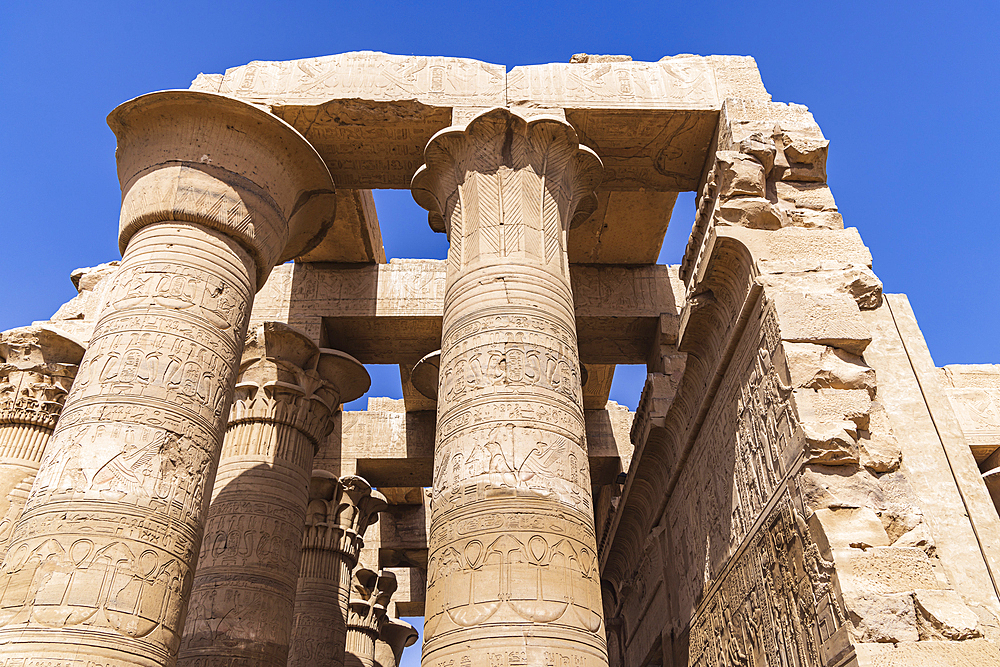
{"points": [[242, 601], [675, 83], [105, 548], [339, 513], [774, 604], [512, 536], [37, 367]]}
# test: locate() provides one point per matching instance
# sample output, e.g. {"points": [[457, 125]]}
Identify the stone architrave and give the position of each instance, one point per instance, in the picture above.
{"points": [[37, 367], [287, 393], [512, 573], [339, 512], [396, 635], [367, 614], [214, 193]]}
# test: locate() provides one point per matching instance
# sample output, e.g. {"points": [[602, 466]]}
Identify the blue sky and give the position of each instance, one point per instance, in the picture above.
{"points": [[907, 93]]}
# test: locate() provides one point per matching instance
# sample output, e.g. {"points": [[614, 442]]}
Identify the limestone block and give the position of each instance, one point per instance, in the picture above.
{"points": [[945, 616], [751, 212], [977, 652], [809, 219], [884, 570], [828, 319], [354, 236], [822, 366], [858, 282], [879, 454], [627, 228], [738, 174], [883, 618], [813, 196], [918, 536], [832, 405], [836, 486], [830, 443], [593, 58], [837, 528], [792, 249], [804, 157]]}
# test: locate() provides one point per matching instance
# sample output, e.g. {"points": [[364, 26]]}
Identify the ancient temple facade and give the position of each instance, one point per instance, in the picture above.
{"points": [[800, 486]]}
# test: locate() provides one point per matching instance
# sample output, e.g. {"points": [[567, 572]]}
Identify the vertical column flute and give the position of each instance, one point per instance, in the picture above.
{"points": [[512, 573], [340, 510], [367, 614], [37, 367], [214, 193], [287, 394]]}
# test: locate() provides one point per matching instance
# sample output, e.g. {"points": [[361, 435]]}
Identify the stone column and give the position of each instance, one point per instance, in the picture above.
{"points": [[367, 614], [214, 193], [396, 635], [37, 367], [339, 513], [512, 573], [287, 393]]}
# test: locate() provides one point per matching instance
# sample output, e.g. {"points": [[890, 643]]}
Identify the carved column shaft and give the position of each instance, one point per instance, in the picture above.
{"points": [[512, 546], [37, 367], [367, 615], [100, 563], [244, 590], [339, 513]]}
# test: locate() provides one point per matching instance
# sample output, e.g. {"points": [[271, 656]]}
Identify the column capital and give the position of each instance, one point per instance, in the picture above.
{"points": [[339, 512], [369, 602], [37, 367], [396, 635], [286, 379], [189, 156], [523, 157]]}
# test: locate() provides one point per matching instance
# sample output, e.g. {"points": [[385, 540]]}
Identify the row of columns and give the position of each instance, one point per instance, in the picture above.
{"points": [[184, 441], [264, 499]]}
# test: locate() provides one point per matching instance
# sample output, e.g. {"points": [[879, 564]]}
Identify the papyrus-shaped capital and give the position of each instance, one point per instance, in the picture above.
{"points": [[198, 157], [286, 379], [340, 511], [37, 367], [502, 165], [396, 635]]}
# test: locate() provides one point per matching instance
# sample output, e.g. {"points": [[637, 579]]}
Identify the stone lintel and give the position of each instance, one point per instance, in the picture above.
{"points": [[370, 114], [393, 448], [391, 313]]}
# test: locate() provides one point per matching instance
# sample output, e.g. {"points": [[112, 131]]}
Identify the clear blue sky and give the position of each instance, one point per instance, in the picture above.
{"points": [[906, 92]]}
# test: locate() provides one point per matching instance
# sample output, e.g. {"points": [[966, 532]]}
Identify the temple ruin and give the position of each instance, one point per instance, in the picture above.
{"points": [[800, 486]]}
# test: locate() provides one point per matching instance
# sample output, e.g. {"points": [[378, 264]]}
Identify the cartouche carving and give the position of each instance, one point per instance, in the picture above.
{"points": [[512, 545]]}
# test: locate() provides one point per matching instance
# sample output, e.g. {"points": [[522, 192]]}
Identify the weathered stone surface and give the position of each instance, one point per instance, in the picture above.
{"points": [[37, 367], [119, 496], [799, 485], [945, 616], [510, 477], [243, 595]]}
